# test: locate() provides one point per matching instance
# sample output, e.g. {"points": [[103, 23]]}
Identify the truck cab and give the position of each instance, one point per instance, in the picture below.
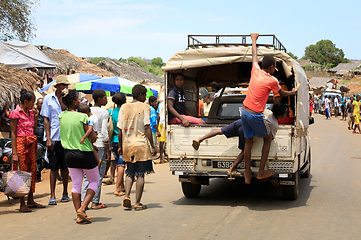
{"points": [[221, 64]]}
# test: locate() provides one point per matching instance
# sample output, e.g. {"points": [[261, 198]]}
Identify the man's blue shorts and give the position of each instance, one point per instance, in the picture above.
{"points": [[254, 124], [235, 129]]}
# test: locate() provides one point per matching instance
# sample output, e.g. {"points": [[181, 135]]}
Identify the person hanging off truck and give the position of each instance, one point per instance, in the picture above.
{"points": [[261, 84], [235, 129], [178, 112]]}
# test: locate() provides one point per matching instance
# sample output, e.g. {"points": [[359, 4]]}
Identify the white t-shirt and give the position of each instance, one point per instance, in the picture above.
{"points": [[327, 103], [271, 121], [336, 102], [102, 126], [93, 121], [161, 112]]}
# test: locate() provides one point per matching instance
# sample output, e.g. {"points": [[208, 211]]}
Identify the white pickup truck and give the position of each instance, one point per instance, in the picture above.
{"points": [[229, 65]]}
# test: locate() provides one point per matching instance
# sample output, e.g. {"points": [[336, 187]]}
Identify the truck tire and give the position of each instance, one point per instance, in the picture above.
{"points": [[291, 192], [191, 190], [308, 171]]}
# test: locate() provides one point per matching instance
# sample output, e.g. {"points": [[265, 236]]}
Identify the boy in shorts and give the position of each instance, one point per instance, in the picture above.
{"points": [[260, 86], [134, 132], [235, 129]]}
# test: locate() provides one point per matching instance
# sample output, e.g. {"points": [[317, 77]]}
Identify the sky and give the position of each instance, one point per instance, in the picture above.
{"points": [[149, 29]]}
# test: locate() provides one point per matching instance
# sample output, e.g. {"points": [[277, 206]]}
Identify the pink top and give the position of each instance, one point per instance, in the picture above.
{"points": [[260, 86], [25, 126]]}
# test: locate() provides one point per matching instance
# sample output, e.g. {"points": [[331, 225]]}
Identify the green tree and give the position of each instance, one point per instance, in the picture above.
{"points": [[158, 61], [325, 53], [122, 60], [96, 60], [292, 55], [138, 61], [16, 21]]}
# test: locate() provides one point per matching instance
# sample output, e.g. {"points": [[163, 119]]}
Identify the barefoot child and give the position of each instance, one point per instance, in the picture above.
{"points": [[235, 129], [93, 122], [260, 86]]}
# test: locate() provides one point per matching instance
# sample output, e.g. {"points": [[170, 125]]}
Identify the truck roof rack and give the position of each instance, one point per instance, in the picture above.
{"points": [[207, 41]]}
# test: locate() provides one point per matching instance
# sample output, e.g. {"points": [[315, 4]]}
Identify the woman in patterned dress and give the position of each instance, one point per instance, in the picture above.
{"points": [[23, 121]]}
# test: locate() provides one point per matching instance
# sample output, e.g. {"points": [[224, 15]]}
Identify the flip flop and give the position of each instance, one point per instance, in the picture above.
{"points": [[195, 144], [119, 193], [65, 199], [127, 203], [52, 201], [109, 182], [25, 209], [38, 205], [99, 206], [83, 216], [140, 207]]}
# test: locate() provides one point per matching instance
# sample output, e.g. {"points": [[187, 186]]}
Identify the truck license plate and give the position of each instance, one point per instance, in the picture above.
{"points": [[222, 164]]}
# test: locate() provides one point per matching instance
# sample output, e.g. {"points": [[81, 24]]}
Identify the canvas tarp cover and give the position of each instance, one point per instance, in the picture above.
{"points": [[23, 55], [193, 58]]}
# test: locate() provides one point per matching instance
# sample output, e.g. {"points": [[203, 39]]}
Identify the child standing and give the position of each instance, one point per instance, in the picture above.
{"points": [[23, 123], [93, 122]]}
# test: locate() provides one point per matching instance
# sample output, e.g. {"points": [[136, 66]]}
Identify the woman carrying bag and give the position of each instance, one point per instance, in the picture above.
{"points": [[23, 121]]}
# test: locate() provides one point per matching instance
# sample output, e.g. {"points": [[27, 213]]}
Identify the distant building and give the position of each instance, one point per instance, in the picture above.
{"points": [[344, 68]]}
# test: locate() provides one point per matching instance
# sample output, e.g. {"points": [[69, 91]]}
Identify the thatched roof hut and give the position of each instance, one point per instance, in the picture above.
{"points": [[20, 77], [344, 68], [130, 71], [9, 94], [64, 64]]}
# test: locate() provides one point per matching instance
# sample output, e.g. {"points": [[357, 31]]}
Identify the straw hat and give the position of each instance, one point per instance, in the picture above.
{"points": [[62, 79]]}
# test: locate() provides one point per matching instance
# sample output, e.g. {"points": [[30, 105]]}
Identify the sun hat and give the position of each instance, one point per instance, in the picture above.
{"points": [[62, 79]]}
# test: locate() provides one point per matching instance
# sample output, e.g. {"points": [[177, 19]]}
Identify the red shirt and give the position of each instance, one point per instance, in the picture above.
{"points": [[260, 86], [26, 123]]}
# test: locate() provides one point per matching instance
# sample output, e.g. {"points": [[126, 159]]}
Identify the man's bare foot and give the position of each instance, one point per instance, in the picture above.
{"points": [[195, 144], [265, 174], [247, 177]]}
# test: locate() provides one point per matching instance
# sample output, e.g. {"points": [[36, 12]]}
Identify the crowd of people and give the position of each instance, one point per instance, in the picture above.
{"points": [[348, 108], [79, 143]]}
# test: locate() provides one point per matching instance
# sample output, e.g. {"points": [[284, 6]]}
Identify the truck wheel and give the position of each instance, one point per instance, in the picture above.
{"points": [[291, 192], [308, 172], [191, 190]]}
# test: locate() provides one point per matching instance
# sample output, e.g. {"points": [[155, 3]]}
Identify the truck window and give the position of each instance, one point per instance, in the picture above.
{"points": [[230, 110]]}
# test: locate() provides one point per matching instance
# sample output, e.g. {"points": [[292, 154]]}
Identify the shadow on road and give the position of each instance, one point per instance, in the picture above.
{"points": [[258, 196]]}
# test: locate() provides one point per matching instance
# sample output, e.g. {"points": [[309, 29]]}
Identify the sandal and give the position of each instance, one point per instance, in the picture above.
{"points": [[25, 209], [52, 201], [195, 144], [98, 206], [119, 193], [83, 216], [38, 205], [109, 182], [127, 203], [140, 207], [65, 199]]}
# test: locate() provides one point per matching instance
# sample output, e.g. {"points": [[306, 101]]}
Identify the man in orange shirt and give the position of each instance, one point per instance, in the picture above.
{"points": [[260, 86]]}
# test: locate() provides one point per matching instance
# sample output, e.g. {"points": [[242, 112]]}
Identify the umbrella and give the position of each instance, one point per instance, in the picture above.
{"points": [[73, 78], [111, 84]]}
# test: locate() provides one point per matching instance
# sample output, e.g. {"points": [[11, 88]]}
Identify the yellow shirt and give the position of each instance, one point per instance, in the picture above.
{"points": [[356, 107]]}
